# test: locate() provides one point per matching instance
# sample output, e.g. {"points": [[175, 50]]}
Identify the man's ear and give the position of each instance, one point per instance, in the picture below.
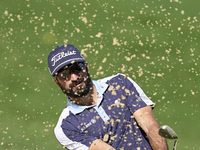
{"points": [[86, 64], [56, 82]]}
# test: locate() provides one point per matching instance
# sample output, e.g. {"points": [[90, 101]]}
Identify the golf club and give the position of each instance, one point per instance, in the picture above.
{"points": [[167, 132]]}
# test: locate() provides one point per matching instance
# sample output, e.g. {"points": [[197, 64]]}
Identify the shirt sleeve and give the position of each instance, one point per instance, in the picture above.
{"points": [[135, 96], [141, 93]]}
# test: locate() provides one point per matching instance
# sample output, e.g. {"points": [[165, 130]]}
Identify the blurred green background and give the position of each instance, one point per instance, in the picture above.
{"points": [[155, 42]]}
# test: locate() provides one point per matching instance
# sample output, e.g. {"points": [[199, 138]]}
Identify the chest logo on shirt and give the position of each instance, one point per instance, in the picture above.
{"points": [[92, 121]]}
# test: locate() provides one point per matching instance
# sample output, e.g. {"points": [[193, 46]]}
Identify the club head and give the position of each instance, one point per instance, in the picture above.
{"points": [[167, 132]]}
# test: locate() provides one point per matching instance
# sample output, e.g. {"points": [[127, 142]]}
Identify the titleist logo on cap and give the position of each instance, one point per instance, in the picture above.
{"points": [[61, 55]]}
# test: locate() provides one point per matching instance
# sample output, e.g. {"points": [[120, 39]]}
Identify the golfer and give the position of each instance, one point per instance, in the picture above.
{"points": [[109, 114]]}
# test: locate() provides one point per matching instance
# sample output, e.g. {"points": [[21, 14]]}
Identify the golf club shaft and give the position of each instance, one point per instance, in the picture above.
{"points": [[175, 142]]}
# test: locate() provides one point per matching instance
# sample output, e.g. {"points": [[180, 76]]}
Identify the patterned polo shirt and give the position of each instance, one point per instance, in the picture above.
{"points": [[111, 120]]}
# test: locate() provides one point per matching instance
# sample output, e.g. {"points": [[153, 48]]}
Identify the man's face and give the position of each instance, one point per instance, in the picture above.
{"points": [[74, 80]]}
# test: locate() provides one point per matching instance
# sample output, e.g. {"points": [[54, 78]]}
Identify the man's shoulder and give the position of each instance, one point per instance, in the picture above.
{"points": [[113, 78], [64, 124], [65, 113]]}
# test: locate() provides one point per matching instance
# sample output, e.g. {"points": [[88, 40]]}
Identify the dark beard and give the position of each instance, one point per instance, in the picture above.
{"points": [[80, 91]]}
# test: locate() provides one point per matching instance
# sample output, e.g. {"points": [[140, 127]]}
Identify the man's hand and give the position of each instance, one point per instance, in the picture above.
{"points": [[147, 121], [100, 145]]}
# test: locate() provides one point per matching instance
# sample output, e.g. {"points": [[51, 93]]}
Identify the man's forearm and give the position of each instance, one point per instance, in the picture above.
{"points": [[149, 124], [100, 145], [157, 142]]}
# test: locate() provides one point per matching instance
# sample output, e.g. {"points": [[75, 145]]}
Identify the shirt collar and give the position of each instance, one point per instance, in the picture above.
{"points": [[100, 86]]}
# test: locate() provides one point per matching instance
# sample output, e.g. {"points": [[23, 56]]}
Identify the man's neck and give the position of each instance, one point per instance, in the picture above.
{"points": [[87, 100]]}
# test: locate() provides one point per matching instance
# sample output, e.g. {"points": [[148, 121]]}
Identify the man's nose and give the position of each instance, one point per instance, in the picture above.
{"points": [[73, 76]]}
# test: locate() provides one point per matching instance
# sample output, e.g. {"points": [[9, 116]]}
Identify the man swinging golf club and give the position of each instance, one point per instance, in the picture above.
{"points": [[109, 114]]}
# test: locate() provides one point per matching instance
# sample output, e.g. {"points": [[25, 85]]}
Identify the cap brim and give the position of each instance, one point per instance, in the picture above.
{"points": [[66, 63]]}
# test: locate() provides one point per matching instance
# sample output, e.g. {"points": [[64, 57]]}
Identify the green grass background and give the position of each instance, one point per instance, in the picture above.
{"points": [[155, 42]]}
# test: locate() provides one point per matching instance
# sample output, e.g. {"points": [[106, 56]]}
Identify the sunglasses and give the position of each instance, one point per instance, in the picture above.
{"points": [[66, 71]]}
